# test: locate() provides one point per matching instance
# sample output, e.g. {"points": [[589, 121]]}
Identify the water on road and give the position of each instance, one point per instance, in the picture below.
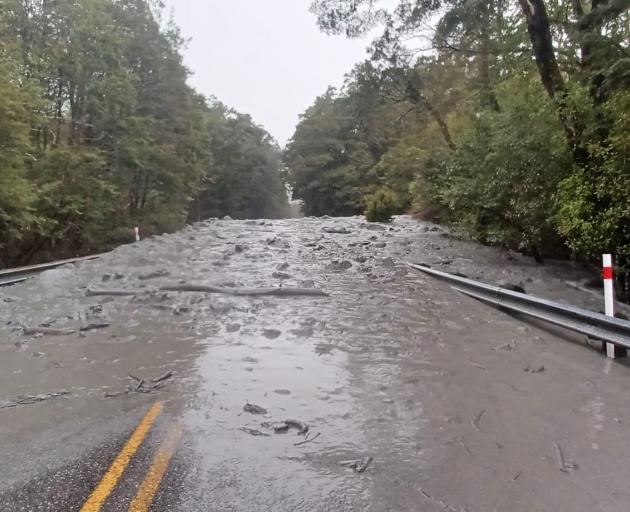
{"points": [[416, 398]]}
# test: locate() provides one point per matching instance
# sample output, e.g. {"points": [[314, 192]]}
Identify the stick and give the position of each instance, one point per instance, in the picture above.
{"points": [[164, 377], [465, 446], [475, 422], [251, 292], [364, 465], [111, 293], [477, 365], [50, 331], [308, 440]]}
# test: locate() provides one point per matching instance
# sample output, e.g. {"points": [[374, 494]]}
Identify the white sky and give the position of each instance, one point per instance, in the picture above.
{"points": [[266, 58]]}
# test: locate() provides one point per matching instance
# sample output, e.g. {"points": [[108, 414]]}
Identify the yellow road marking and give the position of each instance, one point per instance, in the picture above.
{"points": [[149, 487], [109, 481]]}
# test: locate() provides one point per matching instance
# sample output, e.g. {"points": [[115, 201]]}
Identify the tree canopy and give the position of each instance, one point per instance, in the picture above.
{"points": [[99, 132], [507, 120]]}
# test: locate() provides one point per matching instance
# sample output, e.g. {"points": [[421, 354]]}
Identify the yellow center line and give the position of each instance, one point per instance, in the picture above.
{"points": [[115, 471], [149, 487]]}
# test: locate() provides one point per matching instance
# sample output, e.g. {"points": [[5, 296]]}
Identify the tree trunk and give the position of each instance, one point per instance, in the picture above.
{"points": [[421, 101], [542, 44], [539, 30]]}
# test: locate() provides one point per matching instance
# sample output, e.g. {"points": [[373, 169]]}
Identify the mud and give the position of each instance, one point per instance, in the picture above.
{"points": [[393, 371]]}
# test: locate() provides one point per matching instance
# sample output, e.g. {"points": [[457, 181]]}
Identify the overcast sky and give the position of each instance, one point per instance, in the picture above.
{"points": [[266, 58]]}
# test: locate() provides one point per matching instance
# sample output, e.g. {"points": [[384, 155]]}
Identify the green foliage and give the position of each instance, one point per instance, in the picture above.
{"points": [[499, 186], [534, 152], [16, 191], [99, 132], [381, 206], [593, 204], [246, 171]]}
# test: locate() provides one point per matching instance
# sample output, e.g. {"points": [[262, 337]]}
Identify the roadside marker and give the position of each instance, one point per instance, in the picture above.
{"points": [[148, 488], [136, 231], [115, 471], [612, 350]]}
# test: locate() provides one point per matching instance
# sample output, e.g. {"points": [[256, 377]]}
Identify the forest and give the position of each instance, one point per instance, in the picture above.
{"points": [[507, 120], [99, 132]]}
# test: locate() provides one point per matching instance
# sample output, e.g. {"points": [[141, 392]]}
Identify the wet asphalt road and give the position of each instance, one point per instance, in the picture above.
{"points": [[392, 365]]}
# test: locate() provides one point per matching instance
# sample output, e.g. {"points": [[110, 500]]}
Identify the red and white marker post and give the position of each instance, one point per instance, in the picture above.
{"points": [[612, 350], [136, 230]]}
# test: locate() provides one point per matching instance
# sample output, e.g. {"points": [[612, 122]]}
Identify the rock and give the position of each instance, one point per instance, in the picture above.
{"points": [[380, 245], [338, 231], [181, 310], [282, 391], [280, 428], [375, 227], [388, 263], [254, 409], [238, 248], [108, 277], [281, 275], [233, 327], [282, 266], [154, 275], [360, 259], [340, 266], [227, 217], [271, 334]]}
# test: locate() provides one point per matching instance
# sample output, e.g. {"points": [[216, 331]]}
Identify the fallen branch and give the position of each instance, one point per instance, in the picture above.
{"points": [[111, 293], [300, 425], [47, 331], [32, 399], [250, 292], [253, 432], [162, 378], [307, 440]]}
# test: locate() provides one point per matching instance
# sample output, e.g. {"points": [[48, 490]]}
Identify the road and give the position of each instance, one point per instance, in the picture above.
{"points": [[457, 406]]}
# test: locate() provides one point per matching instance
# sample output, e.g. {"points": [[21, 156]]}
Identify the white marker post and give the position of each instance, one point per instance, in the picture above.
{"points": [[136, 230], [612, 350]]}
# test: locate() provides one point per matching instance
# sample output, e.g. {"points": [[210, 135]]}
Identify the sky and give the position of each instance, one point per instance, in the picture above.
{"points": [[266, 58]]}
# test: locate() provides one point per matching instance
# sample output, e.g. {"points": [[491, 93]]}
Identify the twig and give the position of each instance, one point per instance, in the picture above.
{"points": [[476, 365], [307, 440], [475, 422], [161, 378], [465, 446], [364, 465]]}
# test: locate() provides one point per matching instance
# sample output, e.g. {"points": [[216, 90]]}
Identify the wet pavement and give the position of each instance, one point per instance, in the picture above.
{"points": [[456, 406]]}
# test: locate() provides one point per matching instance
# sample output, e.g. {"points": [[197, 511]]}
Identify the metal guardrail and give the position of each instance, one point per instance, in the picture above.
{"points": [[17, 275], [589, 323]]}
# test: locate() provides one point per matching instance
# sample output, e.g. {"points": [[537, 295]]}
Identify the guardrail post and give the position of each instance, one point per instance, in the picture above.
{"points": [[136, 230], [612, 350]]}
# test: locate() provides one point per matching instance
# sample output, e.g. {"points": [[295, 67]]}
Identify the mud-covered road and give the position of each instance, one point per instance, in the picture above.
{"points": [[452, 405]]}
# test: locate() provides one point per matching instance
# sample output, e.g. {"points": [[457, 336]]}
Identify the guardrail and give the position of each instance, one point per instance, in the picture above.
{"points": [[595, 325], [17, 275]]}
